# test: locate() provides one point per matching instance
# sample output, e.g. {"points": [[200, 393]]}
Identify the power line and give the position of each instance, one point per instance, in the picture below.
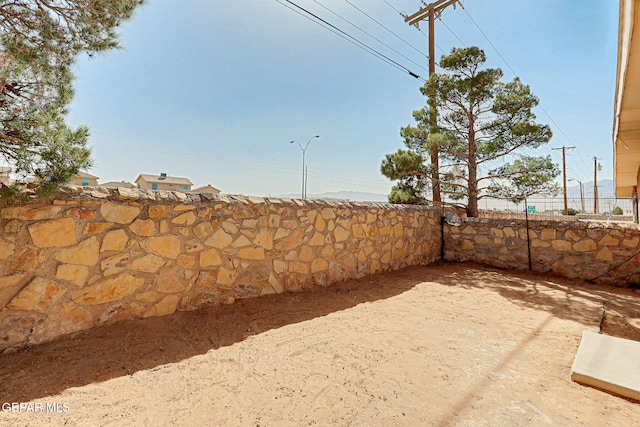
{"points": [[349, 37], [388, 30], [372, 36]]}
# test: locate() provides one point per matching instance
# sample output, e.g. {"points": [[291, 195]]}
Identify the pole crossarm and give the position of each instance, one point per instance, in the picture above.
{"points": [[424, 13]]}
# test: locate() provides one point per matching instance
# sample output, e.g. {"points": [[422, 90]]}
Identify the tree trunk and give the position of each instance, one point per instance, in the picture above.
{"points": [[472, 194]]}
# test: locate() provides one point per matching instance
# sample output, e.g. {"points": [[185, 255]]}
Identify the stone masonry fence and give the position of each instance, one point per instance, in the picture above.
{"points": [[97, 255]]}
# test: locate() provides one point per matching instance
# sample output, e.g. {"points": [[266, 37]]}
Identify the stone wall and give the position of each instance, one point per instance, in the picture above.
{"points": [[570, 249], [101, 255]]}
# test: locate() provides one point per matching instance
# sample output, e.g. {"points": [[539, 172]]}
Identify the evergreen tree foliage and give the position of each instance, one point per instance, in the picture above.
{"points": [[481, 122], [39, 42]]}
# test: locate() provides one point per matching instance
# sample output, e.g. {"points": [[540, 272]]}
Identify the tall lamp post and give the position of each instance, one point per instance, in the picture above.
{"points": [[581, 193], [304, 151]]}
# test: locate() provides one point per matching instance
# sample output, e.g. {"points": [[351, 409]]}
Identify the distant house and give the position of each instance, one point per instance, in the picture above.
{"points": [[85, 179], [163, 182], [626, 119], [116, 184], [206, 189]]}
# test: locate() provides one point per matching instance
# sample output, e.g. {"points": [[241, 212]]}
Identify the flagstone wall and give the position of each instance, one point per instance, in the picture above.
{"points": [[100, 255], [573, 249]]}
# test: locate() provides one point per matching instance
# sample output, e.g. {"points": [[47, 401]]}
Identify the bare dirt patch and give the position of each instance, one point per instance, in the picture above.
{"points": [[447, 344]]}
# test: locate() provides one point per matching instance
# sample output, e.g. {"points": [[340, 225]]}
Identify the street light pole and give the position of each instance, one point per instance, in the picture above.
{"points": [[581, 193], [304, 152]]}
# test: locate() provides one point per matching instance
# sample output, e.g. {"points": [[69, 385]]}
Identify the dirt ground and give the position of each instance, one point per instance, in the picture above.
{"points": [[448, 344]]}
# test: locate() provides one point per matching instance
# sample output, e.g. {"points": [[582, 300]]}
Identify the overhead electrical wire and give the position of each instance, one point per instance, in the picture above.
{"points": [[388, 30], [372, 36], [325, 24]]}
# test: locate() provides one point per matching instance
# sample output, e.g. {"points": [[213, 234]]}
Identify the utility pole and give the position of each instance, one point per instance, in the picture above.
{"points": [[596, 167], [429, 13], [564, 175]]}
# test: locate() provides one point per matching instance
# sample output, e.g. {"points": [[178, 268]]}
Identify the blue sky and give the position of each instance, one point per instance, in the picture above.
{"points": [[214, 91]]}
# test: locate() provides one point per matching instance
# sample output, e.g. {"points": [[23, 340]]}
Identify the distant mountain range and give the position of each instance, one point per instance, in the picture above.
{"points": [[605, 190], [354, 196]]}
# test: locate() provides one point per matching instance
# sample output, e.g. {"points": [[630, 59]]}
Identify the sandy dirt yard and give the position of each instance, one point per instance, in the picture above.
{"points": [[448, 344]]}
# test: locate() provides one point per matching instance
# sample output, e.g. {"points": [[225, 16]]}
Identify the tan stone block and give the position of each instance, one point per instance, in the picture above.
{"points": [[466, 245], [305, 254], [386, 258], [561, 245], [328, 213], [469, 230], [340, 234], [166, 306], [97, 227], [115, 264], [111, 289], [241, 242], [264, 239], [39, 295], [299, 267], [9, 287], [230, 227], [398, 230], [571, 236], [317, 239], [186, 262], [631, 243], [385, 231], [219, 239], [537, 243], [226, 276], [327, 252], [143, 227], [6, 249], [115, 240], [120, 214], [605, 255], [483, 240], [165, 246], [609, 241], [585, 246], [32, 214], [86, 252], [290, 242], [9, 281], [148, 297], [164, 226], [210, 258], [186, 218], [509, 232], [30, 259], [281, 233], [202, 230], [357, 231], [372, 232], [76, 274], [159, 211], [54, 233], [548, 234], [319, 265], [169, 282], [148, 264], [63, 319], [279, 266], [251, 254], [497, 232], [193, 245], [320, 224]]}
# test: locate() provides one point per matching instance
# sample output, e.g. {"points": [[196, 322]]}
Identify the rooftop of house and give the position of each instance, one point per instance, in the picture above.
{"points": [[163, 178], [82, 174]]}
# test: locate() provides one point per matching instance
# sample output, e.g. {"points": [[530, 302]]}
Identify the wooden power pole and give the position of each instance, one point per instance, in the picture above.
{"points": [[429, 13], [564, 175]]}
